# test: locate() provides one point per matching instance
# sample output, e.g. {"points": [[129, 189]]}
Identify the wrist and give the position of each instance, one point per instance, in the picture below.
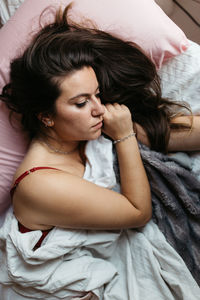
{"points": [[132, 134]]}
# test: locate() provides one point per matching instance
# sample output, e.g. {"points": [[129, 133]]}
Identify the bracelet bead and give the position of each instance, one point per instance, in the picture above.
{"points": [[124, 138]]}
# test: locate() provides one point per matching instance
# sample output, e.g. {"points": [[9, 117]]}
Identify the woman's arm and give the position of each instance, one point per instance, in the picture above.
{"points": [[134, 182], [180, 140], [187, 139], [56, 198]]}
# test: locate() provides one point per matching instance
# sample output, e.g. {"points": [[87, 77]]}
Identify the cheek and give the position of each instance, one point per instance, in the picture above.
{"points": [[73, 117], [77, 121], [81, 116]]}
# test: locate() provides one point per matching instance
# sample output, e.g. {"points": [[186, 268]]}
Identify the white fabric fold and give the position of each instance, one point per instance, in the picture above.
{"points": [[119, 264]]}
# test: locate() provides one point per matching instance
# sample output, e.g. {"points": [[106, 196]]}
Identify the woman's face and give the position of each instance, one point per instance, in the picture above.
{"points": [[79, 112]]}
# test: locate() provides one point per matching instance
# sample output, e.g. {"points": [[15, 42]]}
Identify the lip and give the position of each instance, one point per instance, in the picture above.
{"points": [[98, 125]]}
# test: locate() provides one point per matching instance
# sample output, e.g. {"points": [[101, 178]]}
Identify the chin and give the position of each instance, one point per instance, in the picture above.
{"points": [[95, 136]]}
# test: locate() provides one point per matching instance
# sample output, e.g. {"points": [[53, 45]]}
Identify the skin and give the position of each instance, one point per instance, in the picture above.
{"points": [[183, 140], [186, 140], [48, 198], [78, 111]]}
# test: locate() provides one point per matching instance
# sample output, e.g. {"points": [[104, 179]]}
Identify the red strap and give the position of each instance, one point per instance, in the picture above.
{"points": [[24, 229], [17, 181]]}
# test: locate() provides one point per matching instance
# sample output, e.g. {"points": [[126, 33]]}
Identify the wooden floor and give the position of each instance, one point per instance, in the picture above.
{"points": [[191, 30]]}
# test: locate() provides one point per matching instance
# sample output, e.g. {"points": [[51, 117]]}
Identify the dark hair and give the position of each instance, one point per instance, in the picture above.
{"points": [[55, 52], [125, 75]]}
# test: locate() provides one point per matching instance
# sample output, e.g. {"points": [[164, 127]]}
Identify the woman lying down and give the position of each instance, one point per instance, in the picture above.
{"points": [[73, 232]]}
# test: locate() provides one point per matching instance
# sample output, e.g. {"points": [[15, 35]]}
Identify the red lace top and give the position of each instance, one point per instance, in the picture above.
{"points": [[22, 228]]}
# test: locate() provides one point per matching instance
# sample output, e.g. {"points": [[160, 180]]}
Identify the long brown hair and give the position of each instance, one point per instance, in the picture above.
{"points": [[125, 75]]}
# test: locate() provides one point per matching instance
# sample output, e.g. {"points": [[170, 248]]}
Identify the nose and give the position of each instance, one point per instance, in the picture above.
{"points": [[97, 108]]}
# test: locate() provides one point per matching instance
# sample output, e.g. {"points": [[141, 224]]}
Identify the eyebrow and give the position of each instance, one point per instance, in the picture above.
{"points": [[82, 95]]}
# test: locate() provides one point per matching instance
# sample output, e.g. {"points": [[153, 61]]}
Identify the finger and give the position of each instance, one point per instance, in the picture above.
{"points": [[117, 105], [123, 106], [110, 107], [113, 107]]}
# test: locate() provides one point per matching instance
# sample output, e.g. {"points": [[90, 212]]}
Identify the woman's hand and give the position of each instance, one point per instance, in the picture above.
{"points": [[56, 200], [117, 121]]}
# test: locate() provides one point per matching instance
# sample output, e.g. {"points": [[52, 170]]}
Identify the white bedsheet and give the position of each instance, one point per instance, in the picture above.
{"points": [[121, 265]]}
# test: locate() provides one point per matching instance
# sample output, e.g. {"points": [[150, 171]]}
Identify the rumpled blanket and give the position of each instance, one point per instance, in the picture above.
{"points": [[176, 203], [121, 264], [175, 193]]}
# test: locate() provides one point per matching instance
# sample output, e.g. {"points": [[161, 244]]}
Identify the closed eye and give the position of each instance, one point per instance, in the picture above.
{"points": [[82, 104]]}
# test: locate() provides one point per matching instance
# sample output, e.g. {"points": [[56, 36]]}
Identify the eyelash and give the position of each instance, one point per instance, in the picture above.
{"points": [[84, 103], [81, 104]]}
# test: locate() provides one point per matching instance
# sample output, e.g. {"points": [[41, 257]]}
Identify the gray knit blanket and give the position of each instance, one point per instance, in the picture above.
{"points": [[176, 203]]}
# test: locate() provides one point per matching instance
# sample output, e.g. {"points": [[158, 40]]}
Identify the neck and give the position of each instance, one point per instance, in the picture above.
{"points": [[61, 148]]}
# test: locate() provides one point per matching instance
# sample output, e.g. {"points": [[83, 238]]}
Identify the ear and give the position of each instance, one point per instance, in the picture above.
{"points": [[46, 120]]}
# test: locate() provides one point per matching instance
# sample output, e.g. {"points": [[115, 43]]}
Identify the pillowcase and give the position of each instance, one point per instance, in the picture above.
{"points": [[141, 21]]}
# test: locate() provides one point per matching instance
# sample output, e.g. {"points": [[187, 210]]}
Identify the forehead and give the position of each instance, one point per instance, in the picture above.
{"points": [[83, 81]]}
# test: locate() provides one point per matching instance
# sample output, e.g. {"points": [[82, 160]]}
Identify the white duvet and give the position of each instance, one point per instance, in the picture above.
{"points": [[120, 265]]}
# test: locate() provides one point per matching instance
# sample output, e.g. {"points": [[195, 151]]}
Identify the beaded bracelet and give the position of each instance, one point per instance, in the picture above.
{"points": [[124, 138]]}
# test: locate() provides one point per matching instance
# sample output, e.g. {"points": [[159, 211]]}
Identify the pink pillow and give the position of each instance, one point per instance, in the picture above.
{"points": [[141, 21]]}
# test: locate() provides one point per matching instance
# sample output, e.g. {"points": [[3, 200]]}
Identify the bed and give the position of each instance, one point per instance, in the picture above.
{"points": [[168, 276]]}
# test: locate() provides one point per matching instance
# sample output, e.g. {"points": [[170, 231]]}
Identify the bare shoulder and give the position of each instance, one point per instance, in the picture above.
{"points": [[50, 195], [36, 187], [56, 198], [42, 183], [48, 188]]}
